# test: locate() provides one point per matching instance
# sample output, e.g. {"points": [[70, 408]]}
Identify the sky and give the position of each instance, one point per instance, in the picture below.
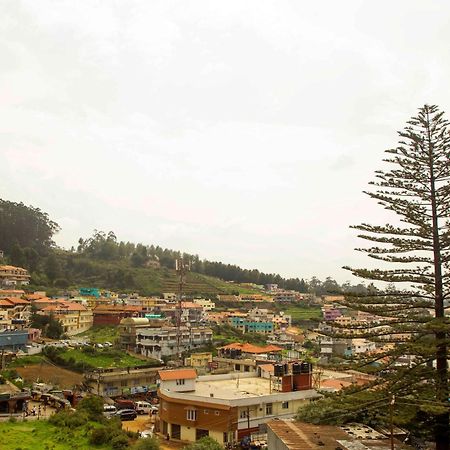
{"points": [[241, 131]]}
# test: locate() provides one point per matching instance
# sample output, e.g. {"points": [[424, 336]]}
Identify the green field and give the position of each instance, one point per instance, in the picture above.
{"points": [[304, 313], [100, 334], [41, 435], [26, 361], [103, 358]]}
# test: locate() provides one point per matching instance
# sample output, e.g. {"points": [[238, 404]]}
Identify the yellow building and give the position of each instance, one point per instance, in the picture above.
{"points": [[75, 318], [198, 360]]}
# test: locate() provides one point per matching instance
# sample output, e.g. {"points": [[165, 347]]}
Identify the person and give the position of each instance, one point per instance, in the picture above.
{"points": [[33, 411]]}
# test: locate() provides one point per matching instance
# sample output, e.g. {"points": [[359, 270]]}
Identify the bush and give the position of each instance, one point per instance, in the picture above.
{"points": [[205, 443], [119, 442], [93, 406], [99, 436], [66, 419], [149, 443]]}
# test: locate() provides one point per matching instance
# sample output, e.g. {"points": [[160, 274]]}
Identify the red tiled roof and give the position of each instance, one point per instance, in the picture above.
{"points": [[65, 306], [178, 374], [250, 348], [267, 367], [18, 301]]}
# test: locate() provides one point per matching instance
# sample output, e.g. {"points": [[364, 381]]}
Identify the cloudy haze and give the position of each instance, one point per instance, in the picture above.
{"points": [[243, 131]]}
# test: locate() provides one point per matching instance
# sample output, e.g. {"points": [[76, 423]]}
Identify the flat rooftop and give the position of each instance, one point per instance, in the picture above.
{"points": [[234, 389]]}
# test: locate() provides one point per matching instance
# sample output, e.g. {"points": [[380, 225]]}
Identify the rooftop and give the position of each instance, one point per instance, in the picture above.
{"points": [[178, 374], [303, 436], [250, 348]]}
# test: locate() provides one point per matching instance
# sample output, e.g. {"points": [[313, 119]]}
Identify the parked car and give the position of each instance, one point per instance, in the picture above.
{"points": [[109, 410], [126, 414], [143, 407]]}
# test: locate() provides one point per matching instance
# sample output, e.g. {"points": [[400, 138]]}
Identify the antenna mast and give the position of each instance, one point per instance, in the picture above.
{"points": [[181, 269]]}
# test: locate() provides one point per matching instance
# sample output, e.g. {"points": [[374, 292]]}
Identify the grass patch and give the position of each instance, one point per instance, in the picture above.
{"points": [[102, 358], [304, 312], [42, 435], [26, 361], [100, 334]]}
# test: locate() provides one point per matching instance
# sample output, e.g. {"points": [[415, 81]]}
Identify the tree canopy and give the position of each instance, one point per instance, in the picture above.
{"points": [[409, 321]]}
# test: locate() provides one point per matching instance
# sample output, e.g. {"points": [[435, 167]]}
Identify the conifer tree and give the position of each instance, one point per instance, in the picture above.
{"points": [[415, 263]]}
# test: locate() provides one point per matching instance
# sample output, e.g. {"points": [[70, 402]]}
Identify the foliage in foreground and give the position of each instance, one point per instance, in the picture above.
{"points": [[205, 443], [416, 187]]}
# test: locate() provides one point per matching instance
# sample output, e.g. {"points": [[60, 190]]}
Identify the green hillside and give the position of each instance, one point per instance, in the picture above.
{"points": [[77, 270]]}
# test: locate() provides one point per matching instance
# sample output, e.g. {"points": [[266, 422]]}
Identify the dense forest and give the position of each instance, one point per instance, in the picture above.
{"points": [[26, 238]]}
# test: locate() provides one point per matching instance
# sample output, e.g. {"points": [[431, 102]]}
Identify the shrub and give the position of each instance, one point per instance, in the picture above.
{"points": [[119, 442], [149, 443], [99, 436], [93, 406]]}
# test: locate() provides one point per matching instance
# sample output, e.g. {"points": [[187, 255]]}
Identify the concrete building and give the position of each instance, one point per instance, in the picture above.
{"points": [[227, 407], [130, 327], [115, 382], [199, 360], [13, 276], [75, 318], [11, 293], [113, 314], [206, 304], [162, 342], [248, 326], [13, 339]]}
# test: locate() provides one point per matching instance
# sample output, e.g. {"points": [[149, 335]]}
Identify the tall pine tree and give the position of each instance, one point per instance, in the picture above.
{"points": [[415, 255]]}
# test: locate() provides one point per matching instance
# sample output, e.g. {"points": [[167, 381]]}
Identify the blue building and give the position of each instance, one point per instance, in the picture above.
{"points": [[13, 339]]}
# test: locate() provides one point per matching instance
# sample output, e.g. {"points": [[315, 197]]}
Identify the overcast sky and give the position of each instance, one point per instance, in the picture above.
{"points": [[244, 131]]}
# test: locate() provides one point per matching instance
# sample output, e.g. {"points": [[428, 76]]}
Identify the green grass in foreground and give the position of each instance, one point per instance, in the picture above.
{"points": [[41, 435], [103, 358], [100, 334]]}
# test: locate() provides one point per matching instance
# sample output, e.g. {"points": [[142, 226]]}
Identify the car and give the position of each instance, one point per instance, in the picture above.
{"points": [[125, 414], [143, 407], [109, 410]]}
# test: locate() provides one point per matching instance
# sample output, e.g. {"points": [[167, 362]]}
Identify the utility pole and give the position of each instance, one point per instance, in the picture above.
{"points": [[391, 419], [181, 269]]}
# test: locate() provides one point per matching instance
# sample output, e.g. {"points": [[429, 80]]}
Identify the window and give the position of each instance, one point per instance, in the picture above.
{"points": [[205, 411], [269, 409], [284, 405], [225, 437], [180, 382], [243, 414], [191, 414]]}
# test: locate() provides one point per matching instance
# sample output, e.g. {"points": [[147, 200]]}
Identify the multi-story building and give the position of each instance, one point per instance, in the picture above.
{"points": [[246, 326], [13, 276], [287, 297], [130, 327], [113, 314], [75, 318], [206, 304], [161, 342], [11, 293], [16, 308], [115, 382], [199, 360], [228, 407], [229, 298]]}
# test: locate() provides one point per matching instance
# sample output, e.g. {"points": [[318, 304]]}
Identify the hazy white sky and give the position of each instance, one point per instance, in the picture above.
{"points": [[243, 131]]}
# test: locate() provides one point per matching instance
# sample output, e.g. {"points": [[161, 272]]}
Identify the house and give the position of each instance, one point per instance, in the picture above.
{"points": [[131, 326], [113, 314], [161, 342], [121, 381], [13, 339], [225, 407], [199, 360], [74, 318], [11, 293], [178, 380], [13, 276], [17, 308], [206, 304]]}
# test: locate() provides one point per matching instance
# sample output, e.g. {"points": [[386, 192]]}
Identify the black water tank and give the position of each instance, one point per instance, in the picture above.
{"points": [[278, 370], [305, 367]]}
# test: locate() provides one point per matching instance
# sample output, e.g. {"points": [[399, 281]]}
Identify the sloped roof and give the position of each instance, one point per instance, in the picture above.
{"points": [[250, 348], [178, 374]]}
